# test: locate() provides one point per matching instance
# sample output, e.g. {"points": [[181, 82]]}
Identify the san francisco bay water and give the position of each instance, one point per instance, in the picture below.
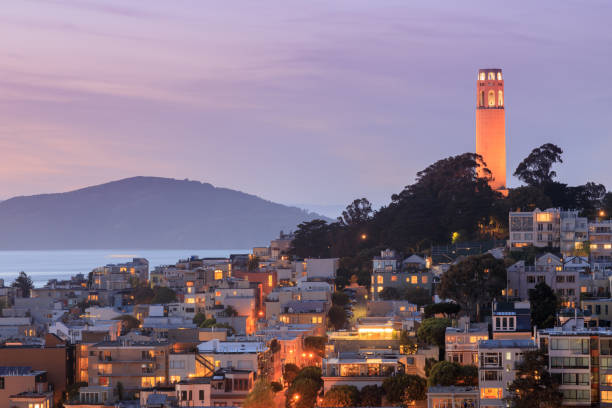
{"points": [[61, 264]]}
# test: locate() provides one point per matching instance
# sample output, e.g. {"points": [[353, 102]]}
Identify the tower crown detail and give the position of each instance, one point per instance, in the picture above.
{"points": [[490, 89]]}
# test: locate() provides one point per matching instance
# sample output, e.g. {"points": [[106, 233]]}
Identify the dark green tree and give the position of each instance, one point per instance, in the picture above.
{"points": [[416, 390], [290, 372], [527, 198], [474, 281], [390, 293], [400, 388], [312, 239], [143, 295], [24, 284], [340, 299], [357, 213], [535, 169], [337, 317], [446, 373], [315, 344], [432, 331], [163, 295], [306, 386], [370, 396], [448, 309], [534, 387], [230, 311], [199, 318], [341, 396], [544, 306], [418, 296], [447, 197], [276, 386], [261, 396]]}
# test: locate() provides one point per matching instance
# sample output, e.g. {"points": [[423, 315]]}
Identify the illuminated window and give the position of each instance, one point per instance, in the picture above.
{"points": [[175, 378], [491, 98], [578, 245], [146, 382], [481, 76], [270, 281], [607, 246], [500, 97], [190, 300], [414, 279], [593, 246], [508, 356], [218, 274], [380, 289], [499, 77], [491, 75], [490, 393], [423, 279], [543, 217], [380, 279], [402, 308], [583, 289], [558, 268], [606, 396], [394, 278]]}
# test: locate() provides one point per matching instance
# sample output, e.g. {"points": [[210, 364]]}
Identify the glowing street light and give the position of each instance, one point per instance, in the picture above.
{"points": [[364, 237]]}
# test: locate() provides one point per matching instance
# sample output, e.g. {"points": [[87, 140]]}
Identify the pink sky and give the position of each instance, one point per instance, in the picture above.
{"points": [[314, 102]]}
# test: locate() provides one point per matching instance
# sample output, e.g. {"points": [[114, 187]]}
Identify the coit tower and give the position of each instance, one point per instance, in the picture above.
{"points": [[491, 125]]}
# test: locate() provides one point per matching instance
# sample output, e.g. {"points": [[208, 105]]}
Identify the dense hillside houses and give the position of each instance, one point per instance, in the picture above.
{"points": [[424, 330]]}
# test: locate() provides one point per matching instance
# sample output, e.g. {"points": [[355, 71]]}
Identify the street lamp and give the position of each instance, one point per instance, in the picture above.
{"points": [[364, 237]]}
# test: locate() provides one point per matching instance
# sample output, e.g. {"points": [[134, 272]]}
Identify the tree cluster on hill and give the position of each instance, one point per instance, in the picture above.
{"points": [[448, 202]]}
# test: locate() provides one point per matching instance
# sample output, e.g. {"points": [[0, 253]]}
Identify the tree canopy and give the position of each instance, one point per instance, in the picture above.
{"points": [[432, 331], [544, 306], [261, 396], [24, 284], [341, 396], [535, 169], [337, 317], [534, 386], [446, 373], [474, 281]]}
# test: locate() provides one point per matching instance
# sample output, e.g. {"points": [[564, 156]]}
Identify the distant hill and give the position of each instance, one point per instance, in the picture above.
{"points": [[142, 213]]}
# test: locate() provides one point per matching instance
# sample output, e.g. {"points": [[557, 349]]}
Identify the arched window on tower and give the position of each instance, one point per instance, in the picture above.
{"points": [[491, 101], [500, 97], [481, 76], [499, 77], [481, 99], [491, 75]]}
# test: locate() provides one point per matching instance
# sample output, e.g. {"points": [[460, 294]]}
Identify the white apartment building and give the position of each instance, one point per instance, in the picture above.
{"points": [[498, 361], [549, 228]]}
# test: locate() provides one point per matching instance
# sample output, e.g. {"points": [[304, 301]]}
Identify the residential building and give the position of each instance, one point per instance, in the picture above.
{"points": [[242, 355], [497, 366], [135, 364], [18, 383], [598, 310], [452, 397], [120, 276], [461, 343], [511, 320], [552, 228], [388, 271], [305, 312], [194, 392], [359, 369], [55, 357], [324, 269], [548, 269], [581, 359]]}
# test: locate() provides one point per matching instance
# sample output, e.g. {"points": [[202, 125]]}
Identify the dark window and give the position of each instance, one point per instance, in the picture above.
{"points": [[184, 395], [1, 383], [190, 395], [597, 309], [201, 395]]}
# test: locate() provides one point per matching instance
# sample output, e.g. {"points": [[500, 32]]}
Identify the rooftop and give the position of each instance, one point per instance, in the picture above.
{"points": [[506, 343]]}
